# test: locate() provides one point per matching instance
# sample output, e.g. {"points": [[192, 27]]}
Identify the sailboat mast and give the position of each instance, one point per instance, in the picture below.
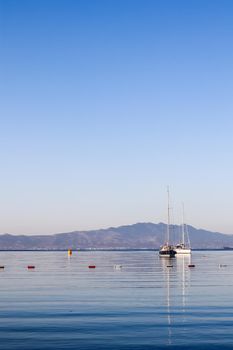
{"points": [[168, 215], [183, 224]]}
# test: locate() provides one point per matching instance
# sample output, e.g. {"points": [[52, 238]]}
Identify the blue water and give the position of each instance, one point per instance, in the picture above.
{"points": [[146, 305]]}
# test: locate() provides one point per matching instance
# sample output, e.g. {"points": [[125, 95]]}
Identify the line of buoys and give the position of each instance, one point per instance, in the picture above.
{"points": [[92, 266], [31, 267]]}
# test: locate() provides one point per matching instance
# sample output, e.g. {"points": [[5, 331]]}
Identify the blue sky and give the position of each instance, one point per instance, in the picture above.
{"points": [[105, 103]]}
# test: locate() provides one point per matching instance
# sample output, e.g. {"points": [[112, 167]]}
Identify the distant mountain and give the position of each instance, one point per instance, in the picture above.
{"points": [[140, 235]]}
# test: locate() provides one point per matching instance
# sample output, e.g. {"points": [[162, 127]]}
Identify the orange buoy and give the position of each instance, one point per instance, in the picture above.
{"points": [[31, 266], [69, 252], [92, 266]]}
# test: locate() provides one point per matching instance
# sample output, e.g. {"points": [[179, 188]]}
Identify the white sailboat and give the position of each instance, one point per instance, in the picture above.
{"points": [[184, 246], [167, 250]]}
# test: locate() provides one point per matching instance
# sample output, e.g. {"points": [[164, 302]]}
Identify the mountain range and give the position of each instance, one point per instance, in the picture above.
{"points": [[136, 236]]}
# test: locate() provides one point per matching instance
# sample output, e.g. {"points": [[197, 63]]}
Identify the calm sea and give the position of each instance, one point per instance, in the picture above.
{"points": [[62, 304]]}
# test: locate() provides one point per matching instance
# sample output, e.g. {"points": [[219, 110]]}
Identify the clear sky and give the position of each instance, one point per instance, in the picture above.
{"points": [[106, 102]]}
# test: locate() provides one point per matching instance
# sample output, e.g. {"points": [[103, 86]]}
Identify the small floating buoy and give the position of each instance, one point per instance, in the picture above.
{"points": [[31, 266], [92, 266], [222, 265], [169, 265], [69, 252], [191, 265], [2, 267], [117, 267]]}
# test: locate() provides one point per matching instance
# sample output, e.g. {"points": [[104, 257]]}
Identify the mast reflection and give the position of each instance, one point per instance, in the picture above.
{"points": [[176, 277], [182, 269], [167, 275]]}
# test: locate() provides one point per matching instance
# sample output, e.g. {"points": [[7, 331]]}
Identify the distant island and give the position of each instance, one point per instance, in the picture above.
{"points": [[136, 236]]}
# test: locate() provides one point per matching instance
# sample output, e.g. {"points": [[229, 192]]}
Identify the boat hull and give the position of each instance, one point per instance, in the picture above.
{"points": [[167, 253], [180, 251]]}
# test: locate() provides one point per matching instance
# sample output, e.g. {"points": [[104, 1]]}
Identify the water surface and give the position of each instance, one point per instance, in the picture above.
{"points": [[63, 304]]}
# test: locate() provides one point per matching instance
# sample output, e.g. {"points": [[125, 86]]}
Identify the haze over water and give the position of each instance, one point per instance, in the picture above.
{"points": [[146, 305]]}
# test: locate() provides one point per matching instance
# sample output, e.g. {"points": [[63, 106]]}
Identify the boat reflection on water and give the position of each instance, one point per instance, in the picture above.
{"points": [[182, 263], [176, 281], [167, 271]]}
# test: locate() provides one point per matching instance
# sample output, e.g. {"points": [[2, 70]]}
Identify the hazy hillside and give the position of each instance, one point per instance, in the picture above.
{"points": [[140, 235]]}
